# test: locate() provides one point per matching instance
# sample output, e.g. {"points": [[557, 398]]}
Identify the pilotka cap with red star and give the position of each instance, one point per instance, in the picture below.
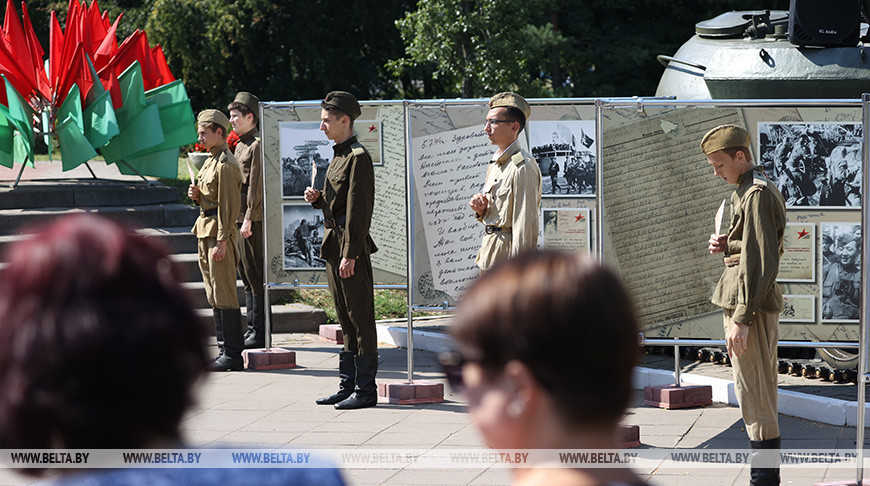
{"points": [[213, 116], [345, 102], [512, 100], [725, 137]]}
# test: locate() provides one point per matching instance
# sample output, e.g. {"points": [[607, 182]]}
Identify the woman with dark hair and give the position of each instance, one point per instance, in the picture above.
{"points": [[546, 346], [100, 349]]}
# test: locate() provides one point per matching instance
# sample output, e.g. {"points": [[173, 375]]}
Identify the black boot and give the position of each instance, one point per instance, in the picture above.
{"points": [[231, 360], [218, 332], [346, 379], [764, 452], [257, 319], [366, 392], [249, 304]]}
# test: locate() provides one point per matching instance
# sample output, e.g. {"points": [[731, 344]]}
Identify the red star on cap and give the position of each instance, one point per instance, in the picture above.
{"points": [[802, 233], [373, 128], [579, 217]]}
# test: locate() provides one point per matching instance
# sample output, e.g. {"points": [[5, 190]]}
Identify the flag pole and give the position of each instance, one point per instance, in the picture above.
{"points": [[132, 168]]}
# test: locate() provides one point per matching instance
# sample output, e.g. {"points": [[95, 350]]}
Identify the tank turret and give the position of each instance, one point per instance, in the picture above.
{"points": [[747, 55]]}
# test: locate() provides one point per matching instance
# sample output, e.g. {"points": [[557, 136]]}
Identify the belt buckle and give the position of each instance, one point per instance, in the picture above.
{"points": [[329, 223], [490, 229]]}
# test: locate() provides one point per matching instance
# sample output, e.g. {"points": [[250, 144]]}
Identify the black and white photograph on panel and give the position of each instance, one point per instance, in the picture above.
{"points": [[565, 151], [303, 235], [813, 163], [841, 271], [305, 156]]}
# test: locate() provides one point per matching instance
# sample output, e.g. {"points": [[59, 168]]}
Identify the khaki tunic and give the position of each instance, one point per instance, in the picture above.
{"points": [[349, 194], [513, 189], [247, 154], [758, 220], [220, 182], [748, 293]]}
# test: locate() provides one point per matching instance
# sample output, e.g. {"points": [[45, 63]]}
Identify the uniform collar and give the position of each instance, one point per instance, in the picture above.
{"points": [[507, 154], [250, 135], [745, 176], [340, 147], [217, 149]]}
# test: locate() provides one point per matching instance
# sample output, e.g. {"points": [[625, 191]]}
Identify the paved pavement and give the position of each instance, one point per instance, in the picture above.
{"points": [[45, 169], [276, 408]]}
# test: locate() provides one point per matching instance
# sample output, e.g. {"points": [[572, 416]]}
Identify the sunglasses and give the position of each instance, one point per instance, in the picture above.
{"points": [[451, 364]]}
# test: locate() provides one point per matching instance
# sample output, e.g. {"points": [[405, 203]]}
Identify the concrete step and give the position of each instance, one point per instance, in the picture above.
{"points": [[188, 264], [285, 318], [87, 193], [179, 239], [165, 215], [196, 293]]}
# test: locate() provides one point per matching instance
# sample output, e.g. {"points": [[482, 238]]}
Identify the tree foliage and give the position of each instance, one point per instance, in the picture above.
{"points": [[474, 46], [287, 50], [551, 47], [381, 49]]}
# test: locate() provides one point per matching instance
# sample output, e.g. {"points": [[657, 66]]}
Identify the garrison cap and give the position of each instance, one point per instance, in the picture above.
{"points": [[725, 137], [511, 100], [345, 102], [214, 116], [249, 100]]}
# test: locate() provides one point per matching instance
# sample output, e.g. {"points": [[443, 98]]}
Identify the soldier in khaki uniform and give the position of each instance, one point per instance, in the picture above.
{"points": [[347, 200], [747, 290], [244, 111], [511, 199], [218, 195]]}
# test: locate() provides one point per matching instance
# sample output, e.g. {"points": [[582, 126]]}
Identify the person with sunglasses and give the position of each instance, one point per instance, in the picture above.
{"points": [[510, 201], [528, 384]]}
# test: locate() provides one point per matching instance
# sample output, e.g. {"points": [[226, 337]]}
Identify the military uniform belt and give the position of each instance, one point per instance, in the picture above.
{"points": [[333, 222], [732, 261], [490, 229], [209, 213]]}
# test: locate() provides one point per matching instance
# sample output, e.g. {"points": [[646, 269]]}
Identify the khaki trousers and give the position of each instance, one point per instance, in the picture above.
{"points": [[219, 277], [355, 305], [755, 376], [251, 259]]}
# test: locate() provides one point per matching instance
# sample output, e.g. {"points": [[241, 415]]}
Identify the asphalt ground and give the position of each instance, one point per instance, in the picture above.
{"points": [[276, 409]]}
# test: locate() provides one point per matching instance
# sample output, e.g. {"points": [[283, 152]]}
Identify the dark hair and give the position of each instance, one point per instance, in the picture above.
{"points": [[732, 152], [514, 114], [336, 111], [99, 347], [215, 127], [569, 319], [243, 109]]}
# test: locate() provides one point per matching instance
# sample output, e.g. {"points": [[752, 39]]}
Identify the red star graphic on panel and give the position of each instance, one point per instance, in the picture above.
{"points": [[802, 233], [373, 128], [579, 217]]}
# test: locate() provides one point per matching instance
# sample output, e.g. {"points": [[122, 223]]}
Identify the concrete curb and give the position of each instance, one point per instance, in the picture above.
{"points": [[826, 410]]}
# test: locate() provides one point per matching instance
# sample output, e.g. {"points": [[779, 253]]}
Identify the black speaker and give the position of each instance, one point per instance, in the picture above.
{"points": [[824, 23]]}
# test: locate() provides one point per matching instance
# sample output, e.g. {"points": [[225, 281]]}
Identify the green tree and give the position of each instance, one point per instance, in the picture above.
{"points": [[288, 50], [473, 47]]}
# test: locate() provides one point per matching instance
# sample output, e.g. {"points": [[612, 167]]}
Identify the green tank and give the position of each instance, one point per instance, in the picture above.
{"points": [[747, 55]]}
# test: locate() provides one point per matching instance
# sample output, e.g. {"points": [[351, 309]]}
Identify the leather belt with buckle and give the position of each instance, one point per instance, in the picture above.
{"points": [[333, 222], [731, 261], [209, 213], [490, 229]]}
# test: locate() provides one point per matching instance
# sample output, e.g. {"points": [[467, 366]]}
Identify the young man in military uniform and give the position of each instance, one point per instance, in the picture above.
{"points": [[347, 200], [218, 194], [747, 290], [511, 199], [244, 111]]}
